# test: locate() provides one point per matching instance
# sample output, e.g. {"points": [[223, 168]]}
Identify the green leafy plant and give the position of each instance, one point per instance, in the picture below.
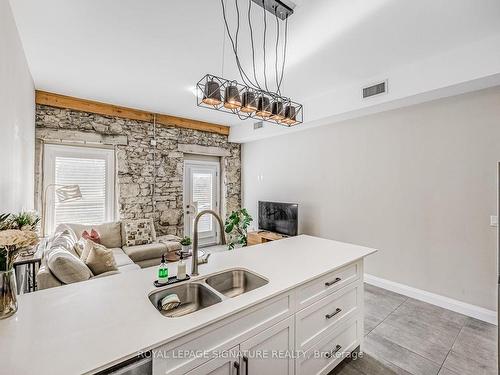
{"points": [[25, 221], [186, 241], [237, 225]]}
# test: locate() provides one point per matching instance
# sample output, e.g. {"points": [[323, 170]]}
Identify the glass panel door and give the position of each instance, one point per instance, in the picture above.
{"points": [[201, 192]]}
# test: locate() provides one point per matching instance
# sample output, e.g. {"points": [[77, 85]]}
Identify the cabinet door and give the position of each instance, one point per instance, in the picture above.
{"points": [[227, 365], [270, 352]]}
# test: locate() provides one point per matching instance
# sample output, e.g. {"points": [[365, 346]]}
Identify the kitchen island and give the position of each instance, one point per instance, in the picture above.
{"points": [[312, 304]]}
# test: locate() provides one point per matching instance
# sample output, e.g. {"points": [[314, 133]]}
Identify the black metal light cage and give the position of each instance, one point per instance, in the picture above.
{"points": [[296, 119]]}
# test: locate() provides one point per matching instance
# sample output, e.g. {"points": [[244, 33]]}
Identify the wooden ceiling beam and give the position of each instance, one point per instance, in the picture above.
{"points": [[84, 105]]}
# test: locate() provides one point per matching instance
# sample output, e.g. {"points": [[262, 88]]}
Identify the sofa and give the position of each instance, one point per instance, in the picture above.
{"points": [[58, 253]]}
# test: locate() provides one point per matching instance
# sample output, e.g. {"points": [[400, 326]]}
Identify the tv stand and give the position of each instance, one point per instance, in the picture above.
{"points": [[263, 236]]}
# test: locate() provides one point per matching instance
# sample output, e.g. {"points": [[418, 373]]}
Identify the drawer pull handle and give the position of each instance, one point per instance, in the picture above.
{"points": [[237, 367], [329, 316], [330, 283], [333, 352], [245, 361]]}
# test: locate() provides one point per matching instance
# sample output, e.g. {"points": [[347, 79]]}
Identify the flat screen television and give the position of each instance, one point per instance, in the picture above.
{"points": [[279, 217]]}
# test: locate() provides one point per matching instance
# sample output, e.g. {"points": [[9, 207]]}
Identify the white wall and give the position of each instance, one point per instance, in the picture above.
{"points": [[17, 119], [419, 183]]}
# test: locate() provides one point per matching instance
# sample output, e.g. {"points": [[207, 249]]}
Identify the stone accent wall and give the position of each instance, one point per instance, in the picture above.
{"points": [[134, 167]]}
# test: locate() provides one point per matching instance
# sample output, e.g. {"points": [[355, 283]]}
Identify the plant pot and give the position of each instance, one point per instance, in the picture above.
{"points": [[186, 248], [8, 299]]}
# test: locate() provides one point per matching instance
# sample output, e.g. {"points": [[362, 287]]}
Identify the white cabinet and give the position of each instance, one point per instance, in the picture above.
{"points": [[304, 331], [224, 365], [269, 351]]}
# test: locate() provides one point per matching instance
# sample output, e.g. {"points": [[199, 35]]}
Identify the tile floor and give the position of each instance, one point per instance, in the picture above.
{"points": [[408, 337]]}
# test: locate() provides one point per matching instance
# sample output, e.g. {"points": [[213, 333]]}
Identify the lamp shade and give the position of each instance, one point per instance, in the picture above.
{"points": [[68, 193], [290, 115], [263, 107], [232, 98], [277, 111], [211, 93], [249, 104]]}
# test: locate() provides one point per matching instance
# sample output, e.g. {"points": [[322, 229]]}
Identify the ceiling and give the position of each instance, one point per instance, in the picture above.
{"points": [[149, 54]]}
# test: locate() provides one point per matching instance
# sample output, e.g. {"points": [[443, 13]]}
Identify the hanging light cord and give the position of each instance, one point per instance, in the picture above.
{"points": [[243, 75], [264, 45], [284, 54], [234, 43], [251, 40], [276, 51]]}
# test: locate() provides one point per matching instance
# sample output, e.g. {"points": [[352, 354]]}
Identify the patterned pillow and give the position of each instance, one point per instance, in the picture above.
{"points": [[139, 232]]}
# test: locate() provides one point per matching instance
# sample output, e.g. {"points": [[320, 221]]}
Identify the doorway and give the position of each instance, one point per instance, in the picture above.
{"points": [[201, 192]]}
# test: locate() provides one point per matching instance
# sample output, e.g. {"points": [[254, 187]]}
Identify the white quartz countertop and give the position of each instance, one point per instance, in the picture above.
{"points": [[86, 327]]}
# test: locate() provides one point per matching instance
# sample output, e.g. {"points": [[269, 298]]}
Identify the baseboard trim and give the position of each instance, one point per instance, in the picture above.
{"points": [[473, 311]]}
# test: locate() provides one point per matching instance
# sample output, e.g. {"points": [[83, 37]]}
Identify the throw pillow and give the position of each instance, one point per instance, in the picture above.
{"points": [[79, 246], [98, 258], [65, 239], [93, 236], [66, 267], [139, 232]]}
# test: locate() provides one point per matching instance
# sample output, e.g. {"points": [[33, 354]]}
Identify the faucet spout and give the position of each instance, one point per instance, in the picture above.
{"points": [[194, 261]]}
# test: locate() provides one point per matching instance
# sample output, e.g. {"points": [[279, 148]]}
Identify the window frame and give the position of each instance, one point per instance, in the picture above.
{"points": [[51, 151]]}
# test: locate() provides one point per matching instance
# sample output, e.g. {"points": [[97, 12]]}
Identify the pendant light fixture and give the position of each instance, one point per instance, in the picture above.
{"points": [[249, 103], [254, 98], [211, 93], [232, 97]]}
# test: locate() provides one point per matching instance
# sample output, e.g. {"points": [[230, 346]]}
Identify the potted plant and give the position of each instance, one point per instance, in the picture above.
{"points": [[236, 226], [186, 244], [12, 240]]}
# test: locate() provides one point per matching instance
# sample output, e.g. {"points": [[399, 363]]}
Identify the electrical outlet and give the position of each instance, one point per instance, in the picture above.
{"points": [[493, 221]]}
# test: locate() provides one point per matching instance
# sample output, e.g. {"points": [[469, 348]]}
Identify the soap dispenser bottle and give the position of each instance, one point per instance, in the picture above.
{"points": [[181, 268], [163, 271]]}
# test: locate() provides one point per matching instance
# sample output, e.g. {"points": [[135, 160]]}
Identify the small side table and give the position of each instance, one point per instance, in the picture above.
{"points": [[32, 263]]}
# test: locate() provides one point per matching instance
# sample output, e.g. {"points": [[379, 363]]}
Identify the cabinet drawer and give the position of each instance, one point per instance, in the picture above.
{"points": [[316, 320], [201, 346], [330, 351], [317, 289]]}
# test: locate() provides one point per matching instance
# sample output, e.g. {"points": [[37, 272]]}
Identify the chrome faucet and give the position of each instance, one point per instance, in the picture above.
{"points": [[194, 262]]}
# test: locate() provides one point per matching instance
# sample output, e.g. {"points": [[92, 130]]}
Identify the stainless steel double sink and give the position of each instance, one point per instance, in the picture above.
{"points": [[199, 294]]}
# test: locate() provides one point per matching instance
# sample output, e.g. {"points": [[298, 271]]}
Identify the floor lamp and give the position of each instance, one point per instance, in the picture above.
{"points": [[64, 193]]}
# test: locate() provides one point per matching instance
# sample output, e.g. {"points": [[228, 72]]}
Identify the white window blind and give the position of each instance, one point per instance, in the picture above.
{"points": [[92, 169], [202, 195]]}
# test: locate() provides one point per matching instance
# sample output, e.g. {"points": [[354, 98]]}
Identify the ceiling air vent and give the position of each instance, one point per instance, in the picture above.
{"points": [[376, 89], [258, 125]]}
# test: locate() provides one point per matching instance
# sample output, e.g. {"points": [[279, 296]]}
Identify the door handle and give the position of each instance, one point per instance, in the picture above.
{"points": [[245, 361], [329, 316], [330, 283], [237, 367], [333, 352]]}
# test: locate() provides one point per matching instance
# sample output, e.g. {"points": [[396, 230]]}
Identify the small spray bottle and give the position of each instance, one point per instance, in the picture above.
{"points": [[181, 268]]}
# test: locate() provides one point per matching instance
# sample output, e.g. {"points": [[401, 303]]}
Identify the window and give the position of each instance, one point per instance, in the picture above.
{"points": [[92, 169]]}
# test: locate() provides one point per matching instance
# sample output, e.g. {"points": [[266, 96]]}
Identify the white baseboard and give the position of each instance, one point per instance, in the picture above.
{"points": [[473, 311]]}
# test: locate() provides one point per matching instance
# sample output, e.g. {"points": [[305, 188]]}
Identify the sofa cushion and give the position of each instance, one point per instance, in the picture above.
{"points": [[121, 258], [98, 258], [129, 267], [66, 267], [145, 252], [110, 233]]}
